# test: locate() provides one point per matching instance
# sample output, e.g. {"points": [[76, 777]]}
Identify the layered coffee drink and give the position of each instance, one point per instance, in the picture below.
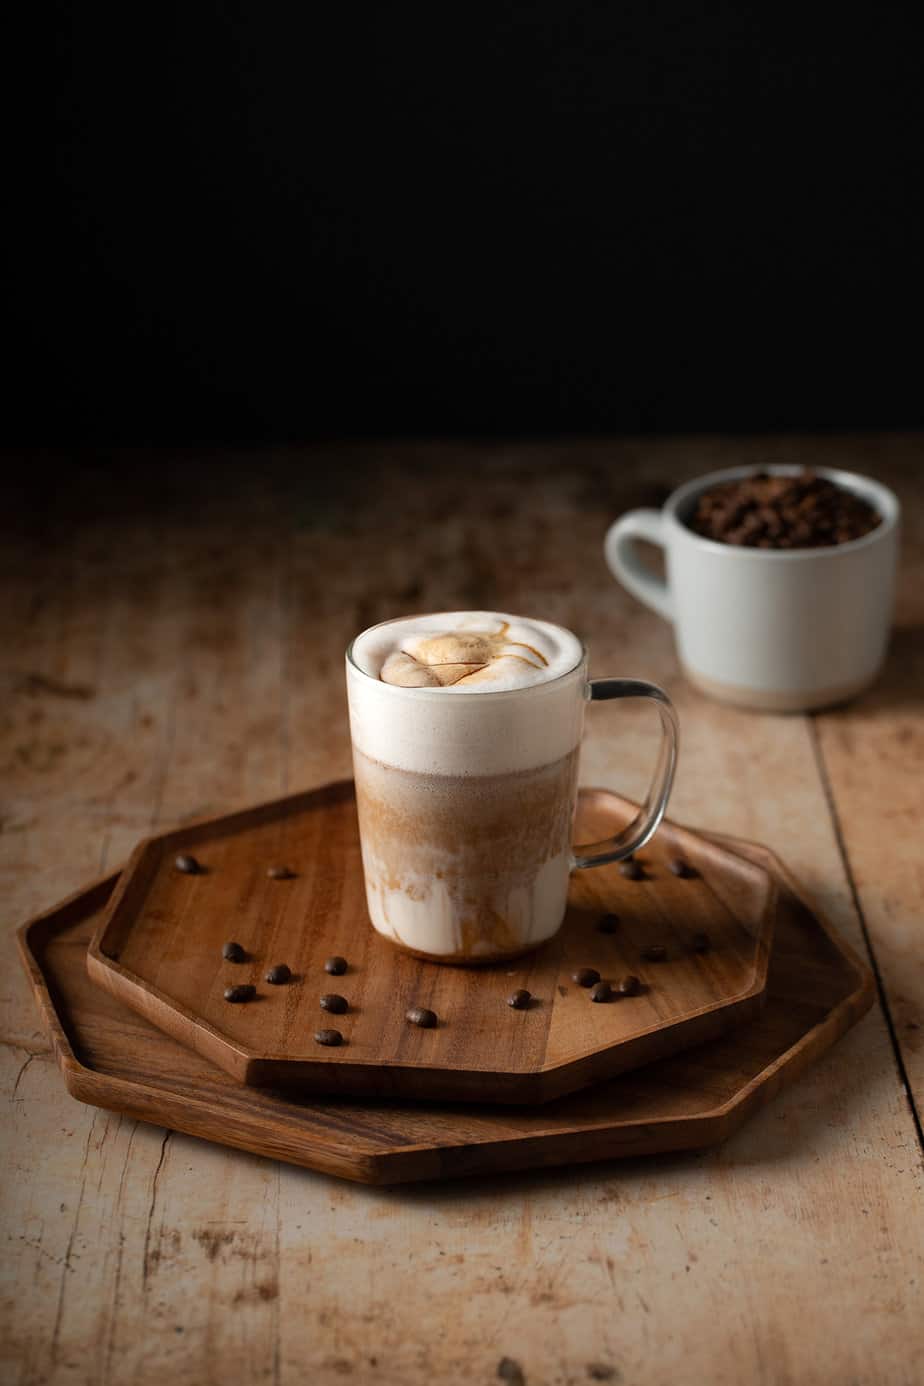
{"points": [[466, 727]]}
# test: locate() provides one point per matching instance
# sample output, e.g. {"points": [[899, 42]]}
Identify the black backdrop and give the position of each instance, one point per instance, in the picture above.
{"points": [[446, 219]]}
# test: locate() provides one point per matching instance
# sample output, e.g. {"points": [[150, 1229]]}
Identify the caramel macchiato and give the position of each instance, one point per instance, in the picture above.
{"points": [[466, 728], [465, 734]]}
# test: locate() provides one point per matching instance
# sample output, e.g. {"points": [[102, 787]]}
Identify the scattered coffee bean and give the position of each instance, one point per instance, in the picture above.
{"points": [[280, 873], [328, 1037], [608, 924], [188, 865], [337, 1005], [655, 952], [279, 974], [701, 943], [336, 966], [519, 1000], [632, 870], [419, 1015], [678, 867], [629, 986], [601, 992], [585, 976], [243, 992], [233, 952]]}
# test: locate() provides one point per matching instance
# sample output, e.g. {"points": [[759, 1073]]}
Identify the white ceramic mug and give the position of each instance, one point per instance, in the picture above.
{"points": [[782, 630]]}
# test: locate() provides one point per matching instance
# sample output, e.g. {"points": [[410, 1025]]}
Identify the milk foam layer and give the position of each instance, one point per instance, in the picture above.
{"points": [[524, 711]]}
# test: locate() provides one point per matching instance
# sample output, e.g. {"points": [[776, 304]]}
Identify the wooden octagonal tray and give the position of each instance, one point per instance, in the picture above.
{"points": [[112, 1058], [159, 950]]}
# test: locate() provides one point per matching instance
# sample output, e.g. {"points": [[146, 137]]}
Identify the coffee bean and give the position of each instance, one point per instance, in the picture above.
{"points": [[329, 1037], [632, 870], [243, 992], [655, 952], [608, 924], [279, 974], [233, 952], [337, 1005], [783, 512], [678, 867], [280, 873], [601, 992], [701, 943], [585, 976], [519, 1000], [188, 865], [419, 1015], [336, 966], [629, 986]]}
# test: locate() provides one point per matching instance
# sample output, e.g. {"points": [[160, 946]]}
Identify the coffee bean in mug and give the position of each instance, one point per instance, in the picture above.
{"points": [[463, 715], [779, 582]]}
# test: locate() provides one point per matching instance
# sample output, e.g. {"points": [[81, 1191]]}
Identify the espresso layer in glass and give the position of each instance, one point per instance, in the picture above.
{"points": [[466, 867]]}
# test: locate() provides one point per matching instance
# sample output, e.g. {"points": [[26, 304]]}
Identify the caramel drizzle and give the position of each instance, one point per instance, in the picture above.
{"points": [[505, 626], [475, 668]]}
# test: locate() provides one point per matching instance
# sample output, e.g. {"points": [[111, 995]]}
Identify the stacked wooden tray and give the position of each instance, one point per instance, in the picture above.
{"points": [[130, 978]]}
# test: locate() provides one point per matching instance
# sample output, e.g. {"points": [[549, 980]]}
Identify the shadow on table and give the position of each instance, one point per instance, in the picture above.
{"points": [[785, 1130]]}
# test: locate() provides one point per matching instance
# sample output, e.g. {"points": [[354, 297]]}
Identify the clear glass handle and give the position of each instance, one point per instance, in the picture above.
{"points": [[645, 823]]}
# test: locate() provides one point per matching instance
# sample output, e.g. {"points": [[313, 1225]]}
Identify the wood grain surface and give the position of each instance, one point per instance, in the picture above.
{"points": [[116, 1059], [177, 652], [159, 950]]}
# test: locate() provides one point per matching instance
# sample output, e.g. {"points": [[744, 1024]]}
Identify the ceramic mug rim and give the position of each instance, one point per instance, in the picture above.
{"points": [[882, 499]]}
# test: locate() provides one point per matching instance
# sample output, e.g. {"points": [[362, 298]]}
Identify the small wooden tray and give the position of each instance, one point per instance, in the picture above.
{"points": [[112, 1058], [160, 951]]}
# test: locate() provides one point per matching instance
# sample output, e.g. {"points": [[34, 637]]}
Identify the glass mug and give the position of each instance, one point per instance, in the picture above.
{"points": [[466, 802]]}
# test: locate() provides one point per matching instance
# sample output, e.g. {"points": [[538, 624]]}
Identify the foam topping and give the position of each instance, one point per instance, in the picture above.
{"points": [[467, 651], [413, 686]]}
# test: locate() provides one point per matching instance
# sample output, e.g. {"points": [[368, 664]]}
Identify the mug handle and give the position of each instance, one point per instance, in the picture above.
{"points": [[645, 823], [626, 566]]}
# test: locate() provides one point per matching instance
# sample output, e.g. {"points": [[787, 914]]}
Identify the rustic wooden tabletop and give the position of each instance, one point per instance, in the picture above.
{"points": [[172, 646]]}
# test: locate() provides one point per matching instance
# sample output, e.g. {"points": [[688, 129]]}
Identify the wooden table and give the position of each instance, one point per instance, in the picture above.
{"points": [[173, 638]]}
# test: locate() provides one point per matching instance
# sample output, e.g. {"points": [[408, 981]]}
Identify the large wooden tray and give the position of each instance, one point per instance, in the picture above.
{"points": [[112, 1058], [159, 951]]}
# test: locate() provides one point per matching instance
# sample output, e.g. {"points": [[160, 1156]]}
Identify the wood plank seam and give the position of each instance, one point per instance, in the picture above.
{"points": [[861, 917]]}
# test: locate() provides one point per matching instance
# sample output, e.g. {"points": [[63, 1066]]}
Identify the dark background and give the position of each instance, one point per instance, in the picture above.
{"points": [[538, 219]]}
